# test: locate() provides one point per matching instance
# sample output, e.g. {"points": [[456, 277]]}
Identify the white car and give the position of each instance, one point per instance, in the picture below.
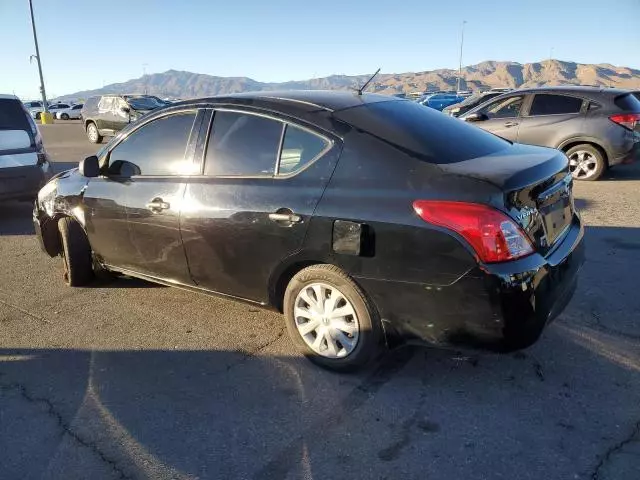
{"points": [[73, 112], [53, 109]]}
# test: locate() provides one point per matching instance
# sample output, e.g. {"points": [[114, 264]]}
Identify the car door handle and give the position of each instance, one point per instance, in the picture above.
{"points": [[511, 124], [285, 217], [158, 204]]}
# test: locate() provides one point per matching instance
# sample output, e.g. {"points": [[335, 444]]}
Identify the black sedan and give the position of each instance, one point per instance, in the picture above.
{"points": [[361, 217]]}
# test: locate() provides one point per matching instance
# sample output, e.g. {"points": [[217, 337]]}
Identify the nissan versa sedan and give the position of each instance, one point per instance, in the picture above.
{"points": [[363, 218]]}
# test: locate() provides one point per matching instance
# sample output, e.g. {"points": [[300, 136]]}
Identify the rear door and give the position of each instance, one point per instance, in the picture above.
{"points": [[551, 118], [104, 117], [503, 116], [158, 159], [262, 179]]}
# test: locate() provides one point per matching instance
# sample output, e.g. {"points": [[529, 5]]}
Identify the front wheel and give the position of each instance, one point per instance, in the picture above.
{"points": [[93, 133], [64, 116], [330, 319], [76, 253], [586, 162]]}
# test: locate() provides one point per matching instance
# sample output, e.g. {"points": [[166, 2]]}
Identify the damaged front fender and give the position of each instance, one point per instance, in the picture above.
{"points": [[60, 197]]}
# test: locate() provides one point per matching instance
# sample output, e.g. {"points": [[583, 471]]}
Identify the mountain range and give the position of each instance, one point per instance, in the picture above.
{"points": [[485, 75]]}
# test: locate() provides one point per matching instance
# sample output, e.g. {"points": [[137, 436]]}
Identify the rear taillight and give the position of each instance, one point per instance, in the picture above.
{"points": [[493, 235], [627, 120]]}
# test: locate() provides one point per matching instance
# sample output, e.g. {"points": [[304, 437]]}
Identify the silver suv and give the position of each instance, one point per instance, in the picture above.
{"points": [[24, 164], [596, 127]]}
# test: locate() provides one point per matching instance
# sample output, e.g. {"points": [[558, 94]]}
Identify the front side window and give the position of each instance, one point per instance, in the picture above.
{"points": [[299, 148], [157, 148], [242, 144], [504, 108], [544, 104]]}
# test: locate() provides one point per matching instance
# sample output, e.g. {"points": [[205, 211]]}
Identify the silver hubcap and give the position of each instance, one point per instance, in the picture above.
{"points": [[582, 164], [93, 132], [326, 320]]}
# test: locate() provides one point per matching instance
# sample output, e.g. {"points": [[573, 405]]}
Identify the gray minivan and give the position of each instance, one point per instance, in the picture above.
{"points": [[596, 127], [24, 164]]}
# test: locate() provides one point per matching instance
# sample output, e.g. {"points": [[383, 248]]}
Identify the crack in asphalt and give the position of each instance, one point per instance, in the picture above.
{"points": [[66, 429], [280, 465], [247, 355], [25, 312], [614, 449], [607, 329]]}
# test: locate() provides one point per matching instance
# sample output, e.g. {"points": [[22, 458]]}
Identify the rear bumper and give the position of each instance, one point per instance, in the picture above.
{"points": [[23, 183], [627, 157], [498, 307]]}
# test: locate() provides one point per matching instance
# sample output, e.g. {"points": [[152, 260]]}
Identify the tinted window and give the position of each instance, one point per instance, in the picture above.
{"points": [[298, 149], [435, 137], [92, 102], [13, 116], [504, 108], [628, 102], [158, 147], [544, 104], [77, 107], [242, 144]]}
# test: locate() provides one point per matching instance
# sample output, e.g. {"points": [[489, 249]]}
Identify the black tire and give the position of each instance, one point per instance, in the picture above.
{"points": [[38, 116], [595, 155], [93, 137], [368, 345], [64, 116], [76, 253]]}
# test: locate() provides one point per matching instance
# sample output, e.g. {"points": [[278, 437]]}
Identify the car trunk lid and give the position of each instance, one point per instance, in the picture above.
{"points": [[536, 186]]}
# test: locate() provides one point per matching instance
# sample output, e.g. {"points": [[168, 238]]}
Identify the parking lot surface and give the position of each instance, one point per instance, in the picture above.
{"points": [[127, 379]]}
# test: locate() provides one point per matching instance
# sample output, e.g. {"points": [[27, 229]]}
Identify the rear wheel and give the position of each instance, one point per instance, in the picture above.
{"points": [[586, 162], [93, 133], [38, 116], [76, 253], [330, 319], [64, 116]]}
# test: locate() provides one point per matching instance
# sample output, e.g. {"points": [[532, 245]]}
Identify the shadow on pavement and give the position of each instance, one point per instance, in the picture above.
{"points": [[15, 218], [622, 172]]}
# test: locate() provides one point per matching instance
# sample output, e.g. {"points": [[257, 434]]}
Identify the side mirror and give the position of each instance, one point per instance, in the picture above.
{"points": [[89, 167], [476, 117], [125, 109]]}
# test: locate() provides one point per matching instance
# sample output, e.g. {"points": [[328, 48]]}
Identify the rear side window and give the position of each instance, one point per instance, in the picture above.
{"points": [[299, 148], [434, 137], [13, 116], [628, 102], [242, 144], [157, 148], [544, 104]]}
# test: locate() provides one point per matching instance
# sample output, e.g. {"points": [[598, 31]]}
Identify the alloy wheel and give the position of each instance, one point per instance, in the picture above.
{"points": [[93, 132], [326, 320], [583, 164]]}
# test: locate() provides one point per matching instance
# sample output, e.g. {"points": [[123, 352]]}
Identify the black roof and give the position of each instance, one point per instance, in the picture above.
{"points": [[329, 100]]}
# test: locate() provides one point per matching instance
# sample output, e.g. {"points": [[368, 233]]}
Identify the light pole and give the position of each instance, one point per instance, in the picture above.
{"points": [[144, 76], [37, 55], [460, 64]]}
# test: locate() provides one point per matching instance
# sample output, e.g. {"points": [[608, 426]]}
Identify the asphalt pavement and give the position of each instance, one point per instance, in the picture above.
{"points": [[125, 379]]}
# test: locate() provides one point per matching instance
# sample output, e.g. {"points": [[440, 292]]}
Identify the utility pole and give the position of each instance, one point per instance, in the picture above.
{"points": [[460, 64], [35, 39], [144, 76]]}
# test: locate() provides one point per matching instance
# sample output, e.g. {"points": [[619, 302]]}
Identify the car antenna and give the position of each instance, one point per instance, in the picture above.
{"points": [[366, 84]]}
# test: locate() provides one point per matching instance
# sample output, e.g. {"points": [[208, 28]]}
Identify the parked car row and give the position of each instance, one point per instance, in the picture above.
{"points": [[363, 218], [61, 111]]}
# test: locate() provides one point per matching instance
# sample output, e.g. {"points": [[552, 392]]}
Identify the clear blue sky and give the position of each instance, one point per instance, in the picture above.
{"points": [[85, 44]]}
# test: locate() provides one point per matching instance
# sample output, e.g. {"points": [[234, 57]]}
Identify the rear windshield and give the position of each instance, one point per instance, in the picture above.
{"points": [[436, 137], [628, 102], [13, 116]]}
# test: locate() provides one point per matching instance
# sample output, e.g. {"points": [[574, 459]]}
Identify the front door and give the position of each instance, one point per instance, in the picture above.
{"points": [[503, 117], [159, 160], [549, 119], [251, 208]]}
